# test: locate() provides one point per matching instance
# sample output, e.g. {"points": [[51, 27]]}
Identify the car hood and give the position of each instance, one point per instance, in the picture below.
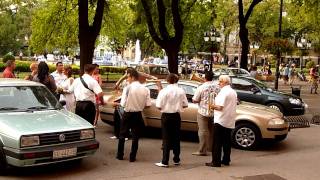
{"points": [[283, 94], [15, 124], [258, 110]]}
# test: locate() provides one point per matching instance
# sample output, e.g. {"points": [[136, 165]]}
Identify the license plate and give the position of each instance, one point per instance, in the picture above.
{"points": [[64, 153]]}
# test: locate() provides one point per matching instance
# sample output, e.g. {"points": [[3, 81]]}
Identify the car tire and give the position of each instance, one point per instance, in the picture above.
{"points": [[276, 106], [246, 136], [3, 162]]}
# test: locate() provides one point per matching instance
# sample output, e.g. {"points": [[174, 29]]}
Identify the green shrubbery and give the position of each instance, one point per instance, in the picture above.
{"points": [[310, 64], [7, 57], [23, 66]]}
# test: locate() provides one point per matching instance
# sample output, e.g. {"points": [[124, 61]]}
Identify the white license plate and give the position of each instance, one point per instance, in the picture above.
{"points": [[64, 153]]}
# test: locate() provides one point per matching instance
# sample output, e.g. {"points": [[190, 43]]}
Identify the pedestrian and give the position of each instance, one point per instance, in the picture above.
{"points": [[96, 75], [34, 71], [67, 95], [44, 78], [292, 74], [59, 77], [314, 79], [8, 71], [171, 101], [85, 88], [254, 71], [135, 97], [224, 121], [204, 95], [286, 74]]}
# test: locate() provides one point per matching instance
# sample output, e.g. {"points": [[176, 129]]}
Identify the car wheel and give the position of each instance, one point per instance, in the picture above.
{"points": [[276, 106], [3, 162], [245, 136]]}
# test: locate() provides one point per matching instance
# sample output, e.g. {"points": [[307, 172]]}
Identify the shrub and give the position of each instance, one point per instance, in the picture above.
{"points": [[310, 64], [7, 57]]}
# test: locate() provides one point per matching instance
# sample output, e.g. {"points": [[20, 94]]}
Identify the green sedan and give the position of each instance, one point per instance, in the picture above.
{"points": [[36, 130]]}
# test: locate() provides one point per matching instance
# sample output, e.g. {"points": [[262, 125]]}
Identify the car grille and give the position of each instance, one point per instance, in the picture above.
{"points": [[53, 138]]}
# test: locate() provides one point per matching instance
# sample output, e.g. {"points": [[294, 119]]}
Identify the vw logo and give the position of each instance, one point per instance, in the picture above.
{"points": [[62, 137]]}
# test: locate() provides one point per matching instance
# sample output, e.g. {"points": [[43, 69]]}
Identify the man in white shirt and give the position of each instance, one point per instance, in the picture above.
{"points": [[135, 97], [171, 101], [204, 95], [85, 88], [224, 121], [59, 77]]}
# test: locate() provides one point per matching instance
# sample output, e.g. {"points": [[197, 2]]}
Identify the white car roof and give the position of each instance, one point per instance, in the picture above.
{"points": [[17, 82]]}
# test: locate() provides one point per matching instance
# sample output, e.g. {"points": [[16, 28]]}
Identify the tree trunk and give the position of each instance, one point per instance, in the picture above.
{"points": [[88, 33], [172, 60], [245, 47]]}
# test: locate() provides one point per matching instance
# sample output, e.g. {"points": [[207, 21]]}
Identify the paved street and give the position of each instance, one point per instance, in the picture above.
{"points": [[294, 159]]}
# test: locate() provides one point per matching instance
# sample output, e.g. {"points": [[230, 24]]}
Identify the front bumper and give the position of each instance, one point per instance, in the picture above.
{"points": [[44, 155]]}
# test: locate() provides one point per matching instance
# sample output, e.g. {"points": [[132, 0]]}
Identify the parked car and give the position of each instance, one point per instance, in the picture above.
{"points": [[159, 71], [35, 128], [251, 90], [231, 71], [253, 122]]}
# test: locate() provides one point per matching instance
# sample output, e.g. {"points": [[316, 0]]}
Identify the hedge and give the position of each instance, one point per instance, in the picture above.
{"points": [[23, 66]]}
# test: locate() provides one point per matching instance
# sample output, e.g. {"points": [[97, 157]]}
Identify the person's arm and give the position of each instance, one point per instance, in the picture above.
{"points": [[97, 89], [117, 86], [184, 101], [196, 97], [159, 100], [99, 79], [148, 101], [52, 84]]}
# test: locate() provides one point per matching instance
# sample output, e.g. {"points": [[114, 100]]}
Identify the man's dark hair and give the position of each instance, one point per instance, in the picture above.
{"points": [[172, 78], [208, 75], [133, 73], [96, 65], [59, 62], [89, 68]]}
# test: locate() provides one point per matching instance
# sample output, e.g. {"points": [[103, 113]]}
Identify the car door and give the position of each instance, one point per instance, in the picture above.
{"points": [[189, 115], [247, 91], [152, 115]]}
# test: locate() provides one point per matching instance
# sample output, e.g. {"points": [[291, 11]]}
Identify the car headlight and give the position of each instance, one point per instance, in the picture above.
{"points": [[87, 134], [295, 101], [29, 141], [273, 122]]}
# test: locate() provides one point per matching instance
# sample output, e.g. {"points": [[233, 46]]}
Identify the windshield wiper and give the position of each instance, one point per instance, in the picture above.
{"points": [[8, 108], [37, 108]]}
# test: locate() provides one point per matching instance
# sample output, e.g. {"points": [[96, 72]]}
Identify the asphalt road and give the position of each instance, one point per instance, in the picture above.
{"points": [[296, 158]]}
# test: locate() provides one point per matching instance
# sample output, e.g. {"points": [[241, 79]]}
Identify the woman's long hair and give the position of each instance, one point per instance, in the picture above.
{"points": [[43, 71]]}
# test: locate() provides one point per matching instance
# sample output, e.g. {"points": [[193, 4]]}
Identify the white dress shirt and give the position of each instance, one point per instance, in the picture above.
{"points": [[135, 97], [58, 78], [202, 96], [81, 93], [227, 98], [171, 99]]}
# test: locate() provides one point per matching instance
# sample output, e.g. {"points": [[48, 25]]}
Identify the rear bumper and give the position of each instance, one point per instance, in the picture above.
{"points": [[44, 155]]}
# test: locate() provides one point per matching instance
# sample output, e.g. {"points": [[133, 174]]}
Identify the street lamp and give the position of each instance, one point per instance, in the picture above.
{"points": [[254, 46], [213, 36], [303, 44]]}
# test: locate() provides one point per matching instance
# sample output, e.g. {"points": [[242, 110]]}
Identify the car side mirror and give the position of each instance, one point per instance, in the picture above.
{"points": [[63, 102], [255, 90]]}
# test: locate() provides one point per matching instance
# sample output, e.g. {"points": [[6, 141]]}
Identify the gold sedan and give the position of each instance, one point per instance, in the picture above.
{"points": [[254, 122]]}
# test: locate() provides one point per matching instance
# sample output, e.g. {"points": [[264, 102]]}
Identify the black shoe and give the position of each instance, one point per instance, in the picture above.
{"points": [[132, 159], [119, 157], [225, 163], [210, 164]]}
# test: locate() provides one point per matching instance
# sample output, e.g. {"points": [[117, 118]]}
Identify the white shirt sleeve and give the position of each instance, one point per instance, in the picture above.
{"points": [[71, 88], [148, 100], [124, 96], [184, 99], [220, 99], [96, 87], [197, 94], [159, 99]]}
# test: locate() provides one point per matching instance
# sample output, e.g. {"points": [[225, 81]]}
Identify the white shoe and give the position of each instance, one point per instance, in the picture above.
{"points": [[113, 137], [159, 164], [176, 163], [126, 139]]}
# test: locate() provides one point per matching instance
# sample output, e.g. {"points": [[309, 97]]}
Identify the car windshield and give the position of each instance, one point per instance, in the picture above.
{"points": [[260, 84], [27, 98]]}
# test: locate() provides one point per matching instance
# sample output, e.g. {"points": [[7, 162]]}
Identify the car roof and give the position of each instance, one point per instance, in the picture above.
{"points": [[186, 82], [17, 82]]}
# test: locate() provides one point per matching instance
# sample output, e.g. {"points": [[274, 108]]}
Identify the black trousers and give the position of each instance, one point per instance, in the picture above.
{"points": [[86, 110], [171, 125], [133, 121], [221, 140], [116, 120]]}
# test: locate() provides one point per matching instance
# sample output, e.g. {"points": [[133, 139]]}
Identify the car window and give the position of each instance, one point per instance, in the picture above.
{"points": [[241, 84], [27, 97]]}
